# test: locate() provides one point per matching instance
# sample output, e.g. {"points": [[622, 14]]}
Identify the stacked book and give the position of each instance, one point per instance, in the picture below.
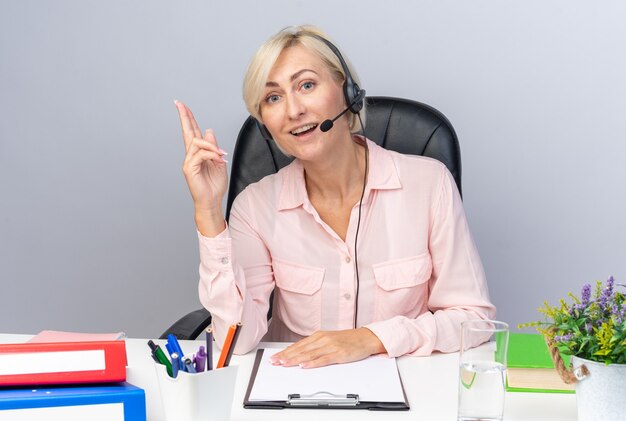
{"points": [[530, 367], [68, 376]]}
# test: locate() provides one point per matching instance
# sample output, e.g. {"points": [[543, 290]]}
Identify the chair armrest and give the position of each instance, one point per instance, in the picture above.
{"points": [[189, 326]]}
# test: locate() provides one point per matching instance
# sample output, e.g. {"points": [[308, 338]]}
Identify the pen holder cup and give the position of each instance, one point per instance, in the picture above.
{"points": [[197, 396]]}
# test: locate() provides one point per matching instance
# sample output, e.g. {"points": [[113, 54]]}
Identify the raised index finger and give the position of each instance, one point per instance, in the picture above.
{"points": [[194, 124], [188, 123]]}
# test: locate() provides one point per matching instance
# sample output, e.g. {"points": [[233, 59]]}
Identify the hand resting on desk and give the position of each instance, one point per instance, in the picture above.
{"points": [[330, 347]]}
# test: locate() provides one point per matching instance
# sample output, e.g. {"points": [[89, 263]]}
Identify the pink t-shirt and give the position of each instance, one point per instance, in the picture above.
{"points": [[420, 274]]}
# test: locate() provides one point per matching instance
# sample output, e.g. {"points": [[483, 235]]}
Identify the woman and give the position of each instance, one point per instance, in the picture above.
{"points": [[419, 274]]}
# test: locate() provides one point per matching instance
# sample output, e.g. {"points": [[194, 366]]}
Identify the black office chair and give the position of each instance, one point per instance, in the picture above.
{"points": [[398, 124]]}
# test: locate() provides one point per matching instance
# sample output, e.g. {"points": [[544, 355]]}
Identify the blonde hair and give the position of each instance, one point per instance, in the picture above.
{"points": [[267, 54]]}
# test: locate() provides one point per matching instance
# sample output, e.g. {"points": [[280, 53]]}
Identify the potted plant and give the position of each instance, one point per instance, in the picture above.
{"points": [[592, 329]]}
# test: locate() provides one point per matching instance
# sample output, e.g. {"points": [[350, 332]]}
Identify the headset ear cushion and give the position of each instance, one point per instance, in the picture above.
{"points": [[349, 92], [358, 105]]}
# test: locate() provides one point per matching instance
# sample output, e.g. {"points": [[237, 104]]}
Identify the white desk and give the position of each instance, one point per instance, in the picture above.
{"points": [[430, 384]]}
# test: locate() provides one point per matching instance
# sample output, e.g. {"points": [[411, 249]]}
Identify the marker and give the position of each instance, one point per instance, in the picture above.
{"points": [[200, 359], [159, 356], [209, 348], [175, 364]]}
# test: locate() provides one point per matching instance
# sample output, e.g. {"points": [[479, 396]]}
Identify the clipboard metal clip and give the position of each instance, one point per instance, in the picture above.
{"points": [[323, 399]]}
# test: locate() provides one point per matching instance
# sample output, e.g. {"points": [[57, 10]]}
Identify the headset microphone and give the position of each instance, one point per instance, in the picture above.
{"points": [[328, 124]]}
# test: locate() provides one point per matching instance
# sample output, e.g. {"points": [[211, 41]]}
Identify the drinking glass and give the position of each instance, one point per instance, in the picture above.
{"points": [[482, 370]]}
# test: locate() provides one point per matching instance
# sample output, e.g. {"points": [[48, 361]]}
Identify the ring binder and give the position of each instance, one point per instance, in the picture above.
{"points": [[323, 399]]}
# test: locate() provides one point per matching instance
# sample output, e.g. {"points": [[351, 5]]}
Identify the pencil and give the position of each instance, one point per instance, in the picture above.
{"points": [[232, 345], [209, 349], [227, 344]]}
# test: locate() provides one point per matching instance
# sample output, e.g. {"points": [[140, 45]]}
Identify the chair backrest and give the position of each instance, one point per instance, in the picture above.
{"points": [[397, 124]]}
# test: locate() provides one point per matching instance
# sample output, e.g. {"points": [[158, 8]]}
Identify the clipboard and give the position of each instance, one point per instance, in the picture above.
{"points": [[374, 384]]}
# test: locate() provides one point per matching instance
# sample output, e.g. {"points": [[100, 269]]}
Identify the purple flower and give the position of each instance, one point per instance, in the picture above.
{"points": [[577, 309], [609, 286], [589, 327], [586, 294], [615, 311], [564, 338], [619, 311], [607, 292]]}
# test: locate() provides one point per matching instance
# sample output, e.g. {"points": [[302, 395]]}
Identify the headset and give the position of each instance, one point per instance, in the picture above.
{"points": [[352, 93]]}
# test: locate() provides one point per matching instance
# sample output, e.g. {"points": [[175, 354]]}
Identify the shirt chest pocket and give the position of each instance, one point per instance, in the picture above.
{"points": [[402, 286], [299, 296]]}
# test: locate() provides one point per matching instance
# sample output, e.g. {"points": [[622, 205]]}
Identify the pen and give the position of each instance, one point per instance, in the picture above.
{"points": [[152, 349], [159, 356], [209, 348], [171, 339], [200, 359], [232, 345], [175, 364], [169, 349], [175, 346], [188, 364]]}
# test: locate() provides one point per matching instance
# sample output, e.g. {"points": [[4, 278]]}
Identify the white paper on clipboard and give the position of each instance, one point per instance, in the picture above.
{"points": [[374, 379]]}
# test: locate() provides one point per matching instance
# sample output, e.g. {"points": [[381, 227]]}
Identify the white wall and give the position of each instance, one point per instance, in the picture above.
{"points": [[96, 227]]}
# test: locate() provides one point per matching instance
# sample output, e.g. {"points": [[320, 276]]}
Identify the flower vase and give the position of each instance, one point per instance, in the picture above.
{"points": [[600, 390]]}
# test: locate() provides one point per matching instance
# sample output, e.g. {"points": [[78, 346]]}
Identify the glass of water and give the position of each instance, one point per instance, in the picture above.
{"points": [[482, 370]]}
